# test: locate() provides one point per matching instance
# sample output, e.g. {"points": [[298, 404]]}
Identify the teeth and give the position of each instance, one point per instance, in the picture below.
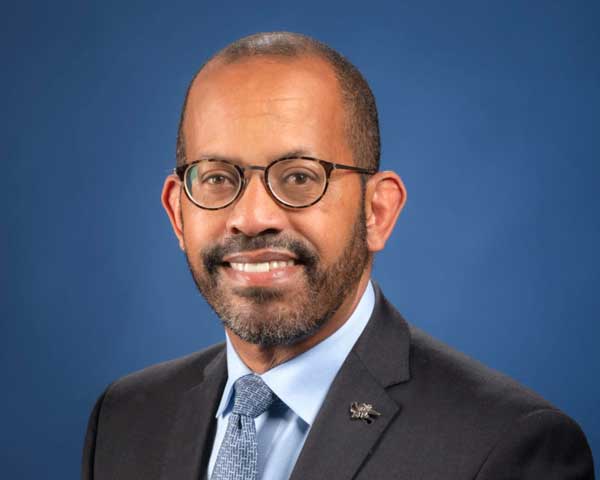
{"points": [[260, 267]]}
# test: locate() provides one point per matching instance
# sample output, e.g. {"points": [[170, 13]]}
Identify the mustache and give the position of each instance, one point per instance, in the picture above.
{"points": [[213, 256]]}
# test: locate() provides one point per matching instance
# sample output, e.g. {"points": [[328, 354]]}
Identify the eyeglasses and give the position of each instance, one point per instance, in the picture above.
{"points": [[295, 182]]}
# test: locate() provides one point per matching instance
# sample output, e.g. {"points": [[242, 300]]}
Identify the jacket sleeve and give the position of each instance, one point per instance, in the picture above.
{"points": [[542, 444], [89, 446]]}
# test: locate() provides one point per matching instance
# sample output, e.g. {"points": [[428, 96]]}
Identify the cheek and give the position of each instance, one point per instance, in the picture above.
{"points": [[201, 228], [329, 224]]}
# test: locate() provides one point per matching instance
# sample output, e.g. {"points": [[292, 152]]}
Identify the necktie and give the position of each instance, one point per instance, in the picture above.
{"points": [[237, 457]]}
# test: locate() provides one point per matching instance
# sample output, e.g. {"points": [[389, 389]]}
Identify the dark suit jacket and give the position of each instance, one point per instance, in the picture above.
{"points": [[443, 416]]}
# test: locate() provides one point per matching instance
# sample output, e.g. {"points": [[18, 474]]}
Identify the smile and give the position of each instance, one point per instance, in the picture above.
{"points": [[260, 267]]}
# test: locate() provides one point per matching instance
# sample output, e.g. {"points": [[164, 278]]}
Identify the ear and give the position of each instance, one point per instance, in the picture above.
{"points": [[171, 195], [385, 197]]}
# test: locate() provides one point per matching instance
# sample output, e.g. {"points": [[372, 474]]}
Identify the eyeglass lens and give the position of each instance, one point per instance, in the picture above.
{"points": [[295, 182]]}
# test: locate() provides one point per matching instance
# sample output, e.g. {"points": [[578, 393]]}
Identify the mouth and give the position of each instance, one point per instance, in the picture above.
{"points": [[261, 268]]}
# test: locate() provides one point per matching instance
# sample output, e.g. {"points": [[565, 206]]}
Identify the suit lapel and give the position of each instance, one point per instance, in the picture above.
{"points": [[190, 439], [337, 445]]}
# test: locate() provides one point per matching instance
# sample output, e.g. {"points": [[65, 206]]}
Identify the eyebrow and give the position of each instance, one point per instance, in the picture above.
{"points": [[301, 152], [298, 152], [211, 156]]}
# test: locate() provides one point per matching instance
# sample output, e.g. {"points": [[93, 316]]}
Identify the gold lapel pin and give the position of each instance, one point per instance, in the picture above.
{"points": [[363, 411]]}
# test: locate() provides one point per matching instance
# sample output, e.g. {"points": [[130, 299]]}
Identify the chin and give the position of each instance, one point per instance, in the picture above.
{"points": [[260, 295]]}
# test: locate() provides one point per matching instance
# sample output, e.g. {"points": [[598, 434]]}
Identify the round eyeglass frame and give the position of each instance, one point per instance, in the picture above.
{"points": [[183, 170]]}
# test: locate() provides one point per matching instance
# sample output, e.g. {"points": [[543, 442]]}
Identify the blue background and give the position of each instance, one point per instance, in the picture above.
{"points": [[489, 112]]}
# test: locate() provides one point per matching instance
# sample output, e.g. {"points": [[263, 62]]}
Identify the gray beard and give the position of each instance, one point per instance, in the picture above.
{"points": [[326, 290]]}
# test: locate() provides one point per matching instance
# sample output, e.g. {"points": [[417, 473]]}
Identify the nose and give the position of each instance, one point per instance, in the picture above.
{"points": [[255, 211]]}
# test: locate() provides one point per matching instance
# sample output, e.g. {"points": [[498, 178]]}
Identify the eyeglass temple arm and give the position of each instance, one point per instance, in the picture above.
{"points": [[180, 170], [367, 171]]}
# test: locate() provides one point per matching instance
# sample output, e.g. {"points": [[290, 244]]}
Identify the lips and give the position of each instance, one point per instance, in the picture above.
{"points": [[262, 265], [259, 261], [263, 256], [260, 256]]}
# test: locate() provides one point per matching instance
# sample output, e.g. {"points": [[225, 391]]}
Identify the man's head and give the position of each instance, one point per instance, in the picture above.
{"points": [[277, 275], [361, 122]]}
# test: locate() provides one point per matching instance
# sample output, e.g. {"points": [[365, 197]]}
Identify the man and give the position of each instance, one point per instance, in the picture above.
{"points": [[279, 206]]}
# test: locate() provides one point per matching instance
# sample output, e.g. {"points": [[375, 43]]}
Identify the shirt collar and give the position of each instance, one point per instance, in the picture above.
{"points": [[303, 382]]}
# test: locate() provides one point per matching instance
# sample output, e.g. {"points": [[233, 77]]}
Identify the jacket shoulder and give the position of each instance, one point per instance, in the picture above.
{"points": [[461, 419], [464, 379], [166, 378], [128, 429]]}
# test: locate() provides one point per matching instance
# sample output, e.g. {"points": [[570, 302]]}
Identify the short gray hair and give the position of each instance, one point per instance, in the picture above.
{"points": [[362, 124]]}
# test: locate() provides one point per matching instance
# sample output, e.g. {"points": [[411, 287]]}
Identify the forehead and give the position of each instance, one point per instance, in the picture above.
{"points": [[264, 98]]}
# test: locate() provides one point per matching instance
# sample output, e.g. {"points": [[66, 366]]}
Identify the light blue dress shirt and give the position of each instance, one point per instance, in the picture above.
{"points": [[302, 384]]}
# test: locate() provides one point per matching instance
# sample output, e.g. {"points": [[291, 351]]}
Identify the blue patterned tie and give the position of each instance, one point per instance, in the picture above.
{"points": [[237, 458]]}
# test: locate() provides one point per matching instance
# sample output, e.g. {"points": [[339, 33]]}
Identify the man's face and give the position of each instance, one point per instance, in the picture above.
{"points": [[251, 113]]}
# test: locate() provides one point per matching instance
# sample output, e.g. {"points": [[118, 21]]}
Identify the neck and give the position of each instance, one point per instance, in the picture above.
{"points": [[260, 358]]}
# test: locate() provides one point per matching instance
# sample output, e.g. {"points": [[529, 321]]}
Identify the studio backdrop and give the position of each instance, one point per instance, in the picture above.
{"points": [[489, 112]]}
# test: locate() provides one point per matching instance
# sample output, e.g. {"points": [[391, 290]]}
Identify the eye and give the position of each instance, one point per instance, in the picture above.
{"points": [[298, 177], [217, 179]]}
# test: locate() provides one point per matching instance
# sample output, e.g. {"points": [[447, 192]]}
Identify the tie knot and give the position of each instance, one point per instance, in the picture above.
{"points": [[252, 396]]}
